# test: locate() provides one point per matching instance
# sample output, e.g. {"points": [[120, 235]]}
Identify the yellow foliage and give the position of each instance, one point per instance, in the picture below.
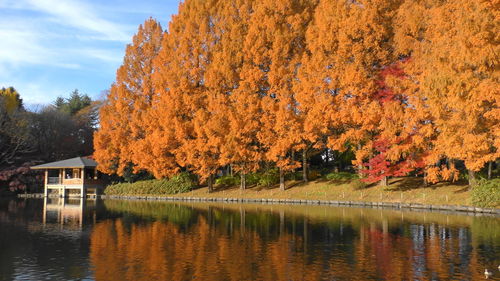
{"points": [[10, 99]]}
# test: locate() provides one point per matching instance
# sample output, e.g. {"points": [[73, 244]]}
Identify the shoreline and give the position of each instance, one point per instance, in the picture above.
{"points": [[383, 205]]}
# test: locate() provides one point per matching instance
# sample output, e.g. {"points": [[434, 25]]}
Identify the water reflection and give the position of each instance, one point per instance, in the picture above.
{"points": [[124, 240], [69, 213], [255, 242], [36, 246]]}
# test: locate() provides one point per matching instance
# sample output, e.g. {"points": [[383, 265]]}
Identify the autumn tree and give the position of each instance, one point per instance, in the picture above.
{"points": [[241, 106], [348, 43], [453, 50], [314, 89], [11, 99], [274, 45], [122, 126], [185, 103], [15, 127], [402, 135]]}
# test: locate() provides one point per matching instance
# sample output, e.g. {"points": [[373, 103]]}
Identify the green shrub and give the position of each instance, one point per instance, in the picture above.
{"points": [[269, 177], [341, 176], [358, 184], [182, 182], [486, 193], [252, 179], [179, 183], [228, 180], [323, 171], [296, 176]]}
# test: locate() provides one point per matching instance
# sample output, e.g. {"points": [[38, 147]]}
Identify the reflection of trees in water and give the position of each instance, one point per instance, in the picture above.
{"points": [[160, 252], [30, 253], [20, 210], [238, 243], [159, 240]]}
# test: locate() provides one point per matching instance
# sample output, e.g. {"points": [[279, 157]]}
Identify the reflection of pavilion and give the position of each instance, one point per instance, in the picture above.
{"points": [[67, 212]]}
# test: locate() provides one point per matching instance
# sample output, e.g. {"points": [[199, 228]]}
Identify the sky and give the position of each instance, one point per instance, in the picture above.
{"points": [[48, 48]]}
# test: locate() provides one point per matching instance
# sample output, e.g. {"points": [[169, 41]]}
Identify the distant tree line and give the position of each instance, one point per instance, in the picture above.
{"points": [[57, 131]]}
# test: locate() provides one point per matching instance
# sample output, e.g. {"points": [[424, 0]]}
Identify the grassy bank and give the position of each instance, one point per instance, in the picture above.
{"points": [[404, 190]]}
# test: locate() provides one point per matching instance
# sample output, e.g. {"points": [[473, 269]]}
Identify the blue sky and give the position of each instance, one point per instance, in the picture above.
{"points": [[50, 47]]}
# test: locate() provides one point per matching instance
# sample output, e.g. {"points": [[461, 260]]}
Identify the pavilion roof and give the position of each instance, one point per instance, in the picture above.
{"points": [[77, 162]]}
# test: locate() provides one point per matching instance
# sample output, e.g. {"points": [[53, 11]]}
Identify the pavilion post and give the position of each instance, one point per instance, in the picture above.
{"points": [[82, 175], [45, 182], [83, 192]]}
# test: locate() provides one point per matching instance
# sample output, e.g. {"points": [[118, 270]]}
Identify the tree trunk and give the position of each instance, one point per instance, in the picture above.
{"points": [[231, 169], [360, 166], [243, 184], [472, 178], [304, 166], [425, 179], [383, 181], [282, 180], [327, 157], [490, 166], [210, 182]]}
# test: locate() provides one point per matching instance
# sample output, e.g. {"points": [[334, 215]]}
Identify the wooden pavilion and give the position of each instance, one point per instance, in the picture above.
{"points": [[72, 174]]}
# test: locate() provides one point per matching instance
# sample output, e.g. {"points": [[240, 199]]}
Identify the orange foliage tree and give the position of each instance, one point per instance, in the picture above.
{"points": [[454, 49], [237, 105], [276, 42], [122, 123], [407, 85]]}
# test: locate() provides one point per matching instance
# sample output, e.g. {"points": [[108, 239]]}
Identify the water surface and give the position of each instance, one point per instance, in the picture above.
{"points": [[125, 240]]}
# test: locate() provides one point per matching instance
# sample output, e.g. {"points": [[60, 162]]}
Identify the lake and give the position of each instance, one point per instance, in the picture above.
{"points": [[71, 239]]}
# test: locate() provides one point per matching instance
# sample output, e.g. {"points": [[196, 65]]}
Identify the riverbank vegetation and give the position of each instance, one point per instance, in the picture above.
{"points": [[385, 89], [179, 183], [405, 190], [486, 193]]}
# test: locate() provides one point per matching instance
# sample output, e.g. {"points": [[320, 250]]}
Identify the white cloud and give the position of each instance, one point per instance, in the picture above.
{"points": [[24, 43], [109, 56], [49, 37], [50, 47], [81, 16], [37, 39]]}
